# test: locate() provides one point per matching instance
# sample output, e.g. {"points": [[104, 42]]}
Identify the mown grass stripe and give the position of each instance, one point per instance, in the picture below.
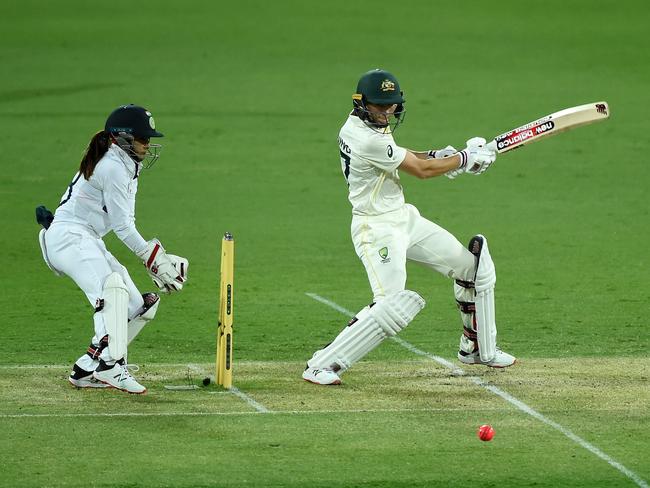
{"points": [[579, 440], [506, 396], [237, 412]]}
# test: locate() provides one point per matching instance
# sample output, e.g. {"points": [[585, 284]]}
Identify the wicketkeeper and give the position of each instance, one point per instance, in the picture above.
{"points": [[387, 232], [100, 199]]}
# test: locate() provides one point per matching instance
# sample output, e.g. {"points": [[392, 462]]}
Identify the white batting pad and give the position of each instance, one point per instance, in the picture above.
{"points": [[115, 314], [484, 283], [368, 329], [138, 323]]}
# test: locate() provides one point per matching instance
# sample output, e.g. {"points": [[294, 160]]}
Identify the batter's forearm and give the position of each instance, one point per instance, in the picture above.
{"points": [[420, 154], [439, 166], [434, 153], [429, 168]]}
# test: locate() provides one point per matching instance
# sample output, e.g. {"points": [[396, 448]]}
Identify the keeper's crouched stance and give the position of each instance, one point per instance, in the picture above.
{"points": [[100, 199], [387, 232]]}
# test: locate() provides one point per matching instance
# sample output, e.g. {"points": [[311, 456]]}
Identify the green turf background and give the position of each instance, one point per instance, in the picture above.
{"points": [[251, 96]]}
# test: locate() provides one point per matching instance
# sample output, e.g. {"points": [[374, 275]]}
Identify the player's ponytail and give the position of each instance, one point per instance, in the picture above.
{"points": [[96, 149]]}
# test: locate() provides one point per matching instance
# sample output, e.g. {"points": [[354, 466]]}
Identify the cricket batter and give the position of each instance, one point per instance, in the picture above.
{"points": [[387, 232], [100, 199]]}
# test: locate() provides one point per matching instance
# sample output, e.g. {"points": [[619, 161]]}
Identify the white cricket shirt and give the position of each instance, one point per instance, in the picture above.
{"points": [[105, 202], [369, 162]]}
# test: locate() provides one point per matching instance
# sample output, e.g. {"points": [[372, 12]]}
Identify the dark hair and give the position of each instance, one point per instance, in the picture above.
{"points": [[96, 149]]}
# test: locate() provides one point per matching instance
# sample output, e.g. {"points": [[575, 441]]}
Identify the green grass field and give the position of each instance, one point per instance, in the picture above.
{"points": [[250, 96]]}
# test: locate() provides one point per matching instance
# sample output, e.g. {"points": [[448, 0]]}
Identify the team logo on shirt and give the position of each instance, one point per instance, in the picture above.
{"points": [[383, 254], [387, 85]]}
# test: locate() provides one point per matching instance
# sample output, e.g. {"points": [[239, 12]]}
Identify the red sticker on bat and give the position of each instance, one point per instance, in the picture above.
{"points": [[522, 134]]}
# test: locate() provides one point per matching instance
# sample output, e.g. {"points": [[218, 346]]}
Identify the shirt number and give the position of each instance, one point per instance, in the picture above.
{"points": [[345, 162]]}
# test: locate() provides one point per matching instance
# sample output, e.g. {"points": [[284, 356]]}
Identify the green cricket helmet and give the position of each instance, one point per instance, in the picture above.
{"points": [[379, 87]]}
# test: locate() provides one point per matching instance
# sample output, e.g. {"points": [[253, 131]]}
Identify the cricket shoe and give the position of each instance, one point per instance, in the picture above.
{"points": [[501, 359], [118, 376], [81, 378], [319, 376]]}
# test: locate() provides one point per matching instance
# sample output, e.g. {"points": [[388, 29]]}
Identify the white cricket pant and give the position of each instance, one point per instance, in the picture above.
{"points": [[82, 255], [385, 242]]}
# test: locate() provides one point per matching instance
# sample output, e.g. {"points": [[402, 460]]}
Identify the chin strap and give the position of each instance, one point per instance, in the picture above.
{"points": [[124, 141]]}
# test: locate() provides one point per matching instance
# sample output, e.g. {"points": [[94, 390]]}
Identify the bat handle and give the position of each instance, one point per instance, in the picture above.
{"points": [[492, 145]]}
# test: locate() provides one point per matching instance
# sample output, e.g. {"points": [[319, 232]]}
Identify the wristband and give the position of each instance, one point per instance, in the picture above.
{"points": [[463, 159]]}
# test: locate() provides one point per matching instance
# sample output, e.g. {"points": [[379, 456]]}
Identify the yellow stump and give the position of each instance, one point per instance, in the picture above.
{"points": [[224, 333]]}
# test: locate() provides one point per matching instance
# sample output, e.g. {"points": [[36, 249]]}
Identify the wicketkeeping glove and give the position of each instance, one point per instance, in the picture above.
{"points": [[165, 273], [180, 265]]}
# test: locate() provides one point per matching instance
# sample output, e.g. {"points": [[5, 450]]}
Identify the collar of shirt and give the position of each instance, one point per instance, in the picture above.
{"points": [[123, 156]]}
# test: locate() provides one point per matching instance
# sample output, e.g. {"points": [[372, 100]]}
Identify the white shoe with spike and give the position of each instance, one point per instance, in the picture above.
{"points": [[501, 359], [319, 376], [119, 377]]}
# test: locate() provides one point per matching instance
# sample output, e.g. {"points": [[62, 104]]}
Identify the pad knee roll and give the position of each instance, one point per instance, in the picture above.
{"points": [[486, 276]]}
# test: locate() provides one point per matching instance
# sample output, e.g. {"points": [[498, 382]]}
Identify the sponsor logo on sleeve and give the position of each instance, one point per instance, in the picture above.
{"points": [[389, 151]]}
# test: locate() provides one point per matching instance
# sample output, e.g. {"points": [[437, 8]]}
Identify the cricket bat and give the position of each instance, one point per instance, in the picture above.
{"points": [[552, 124]]}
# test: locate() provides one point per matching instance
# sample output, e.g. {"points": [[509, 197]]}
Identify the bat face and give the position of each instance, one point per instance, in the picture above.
{"points": [[517, 137], [549, 125]]}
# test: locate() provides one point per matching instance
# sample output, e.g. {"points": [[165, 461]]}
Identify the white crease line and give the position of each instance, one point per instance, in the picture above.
{"points": [[256, 405], [247, 412], [331, 304], [235, 391], [192, 366], [122, 414], [455, 370], [195, 368], [506, 396], [35, 366], [587, 445]]}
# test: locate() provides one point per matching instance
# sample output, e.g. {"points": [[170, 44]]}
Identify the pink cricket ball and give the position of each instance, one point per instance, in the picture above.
{"points": [[485, 432]]}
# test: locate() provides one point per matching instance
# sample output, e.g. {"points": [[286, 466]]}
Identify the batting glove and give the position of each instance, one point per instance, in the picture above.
{"points": [[476, 158], [442, 153]]}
